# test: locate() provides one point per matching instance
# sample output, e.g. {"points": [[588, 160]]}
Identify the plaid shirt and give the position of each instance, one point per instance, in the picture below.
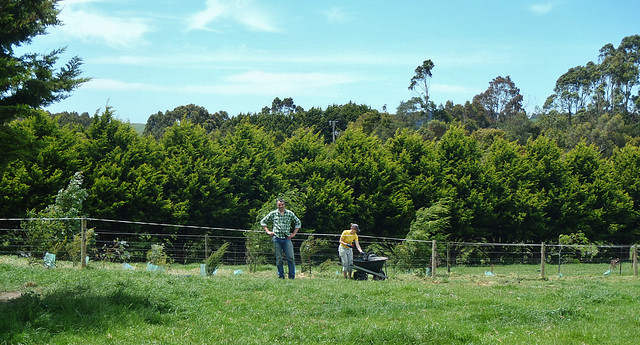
{"points": [[281, 222]]}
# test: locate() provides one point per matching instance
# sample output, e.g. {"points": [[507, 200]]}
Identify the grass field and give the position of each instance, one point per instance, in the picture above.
{"points": [[109, 305]]}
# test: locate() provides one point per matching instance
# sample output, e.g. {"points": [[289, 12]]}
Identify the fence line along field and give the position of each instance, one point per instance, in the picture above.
{"points": [[101, 240]]}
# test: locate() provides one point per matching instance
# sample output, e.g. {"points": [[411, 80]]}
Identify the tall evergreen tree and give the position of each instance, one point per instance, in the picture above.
{"points": [[32, 80], [47, 161], [122, 171], [197, 186]]}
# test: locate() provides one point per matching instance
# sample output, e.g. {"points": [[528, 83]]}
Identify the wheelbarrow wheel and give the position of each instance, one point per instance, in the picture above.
{"points": [[360, 275], [377, 277]]}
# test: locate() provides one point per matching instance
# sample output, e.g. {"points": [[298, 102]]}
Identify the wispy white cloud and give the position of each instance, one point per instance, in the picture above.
{"points": [[244, 12], [542, 8], [247, 56], [266, 83], [246, 83], [112, 84], [81, 22], [336, 15], [75, 2]]}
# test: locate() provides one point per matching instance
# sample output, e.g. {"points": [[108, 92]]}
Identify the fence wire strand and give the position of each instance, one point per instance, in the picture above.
{"points": [[193, 243]]}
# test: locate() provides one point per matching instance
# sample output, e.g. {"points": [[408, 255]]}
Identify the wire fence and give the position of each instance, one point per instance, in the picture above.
{"points": [[131, 241]]}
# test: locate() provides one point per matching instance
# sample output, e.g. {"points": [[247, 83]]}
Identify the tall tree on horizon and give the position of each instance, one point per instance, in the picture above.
{"points": [[502, 99], [421, 81], [32, 80]]}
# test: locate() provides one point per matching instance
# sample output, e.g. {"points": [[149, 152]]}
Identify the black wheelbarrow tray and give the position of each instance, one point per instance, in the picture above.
{"points": [[371, 264]]}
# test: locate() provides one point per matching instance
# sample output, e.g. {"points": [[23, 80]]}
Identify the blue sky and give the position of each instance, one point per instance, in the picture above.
{"points": [[147, 56]]}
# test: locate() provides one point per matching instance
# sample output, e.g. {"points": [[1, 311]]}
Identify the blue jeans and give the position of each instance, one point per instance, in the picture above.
{"points": [[284, 245]]}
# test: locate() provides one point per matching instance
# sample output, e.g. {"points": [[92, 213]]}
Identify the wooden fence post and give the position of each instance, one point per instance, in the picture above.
{"points": [[448, 258], [542, 249], [83, 243], [635, 259], [206, 247], [433, 259]]}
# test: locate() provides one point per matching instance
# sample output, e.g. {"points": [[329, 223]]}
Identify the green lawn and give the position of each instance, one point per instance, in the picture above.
{"points": [[109, 305]]}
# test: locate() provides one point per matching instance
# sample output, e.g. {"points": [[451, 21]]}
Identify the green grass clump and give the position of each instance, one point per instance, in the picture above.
{"points": [[110, 305]]}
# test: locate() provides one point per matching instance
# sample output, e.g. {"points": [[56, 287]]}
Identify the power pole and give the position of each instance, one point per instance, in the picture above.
{"points": [[333, 123]]}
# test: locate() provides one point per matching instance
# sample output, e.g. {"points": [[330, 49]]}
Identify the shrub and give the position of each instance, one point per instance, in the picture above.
{"points": [[116, 252], [74, 248], [256, 244], [48, 234], [214, 260], [309, 248], [157, 255]]}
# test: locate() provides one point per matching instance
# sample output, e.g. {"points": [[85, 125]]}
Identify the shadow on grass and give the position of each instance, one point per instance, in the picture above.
{"points": [[76, 309]]}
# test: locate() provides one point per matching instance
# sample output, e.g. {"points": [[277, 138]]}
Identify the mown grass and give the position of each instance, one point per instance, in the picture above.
{"points": [[108, 305]]}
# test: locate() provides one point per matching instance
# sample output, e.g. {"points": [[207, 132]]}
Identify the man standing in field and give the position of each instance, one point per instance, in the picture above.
{"points": [[281, 235]]}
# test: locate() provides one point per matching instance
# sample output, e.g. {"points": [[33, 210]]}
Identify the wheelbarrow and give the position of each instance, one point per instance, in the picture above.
{"points": [[369, 264]]}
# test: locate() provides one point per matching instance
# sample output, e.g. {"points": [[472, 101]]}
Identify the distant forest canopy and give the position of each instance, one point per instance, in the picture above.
{"points": [[484, 170], [598, 103]]}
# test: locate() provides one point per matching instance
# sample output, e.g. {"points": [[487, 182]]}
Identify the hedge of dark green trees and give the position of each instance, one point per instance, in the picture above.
{"points": [[493, 189]]}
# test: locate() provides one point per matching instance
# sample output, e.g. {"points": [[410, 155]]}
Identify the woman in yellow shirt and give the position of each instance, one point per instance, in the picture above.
{"points": [[348, 241]]}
